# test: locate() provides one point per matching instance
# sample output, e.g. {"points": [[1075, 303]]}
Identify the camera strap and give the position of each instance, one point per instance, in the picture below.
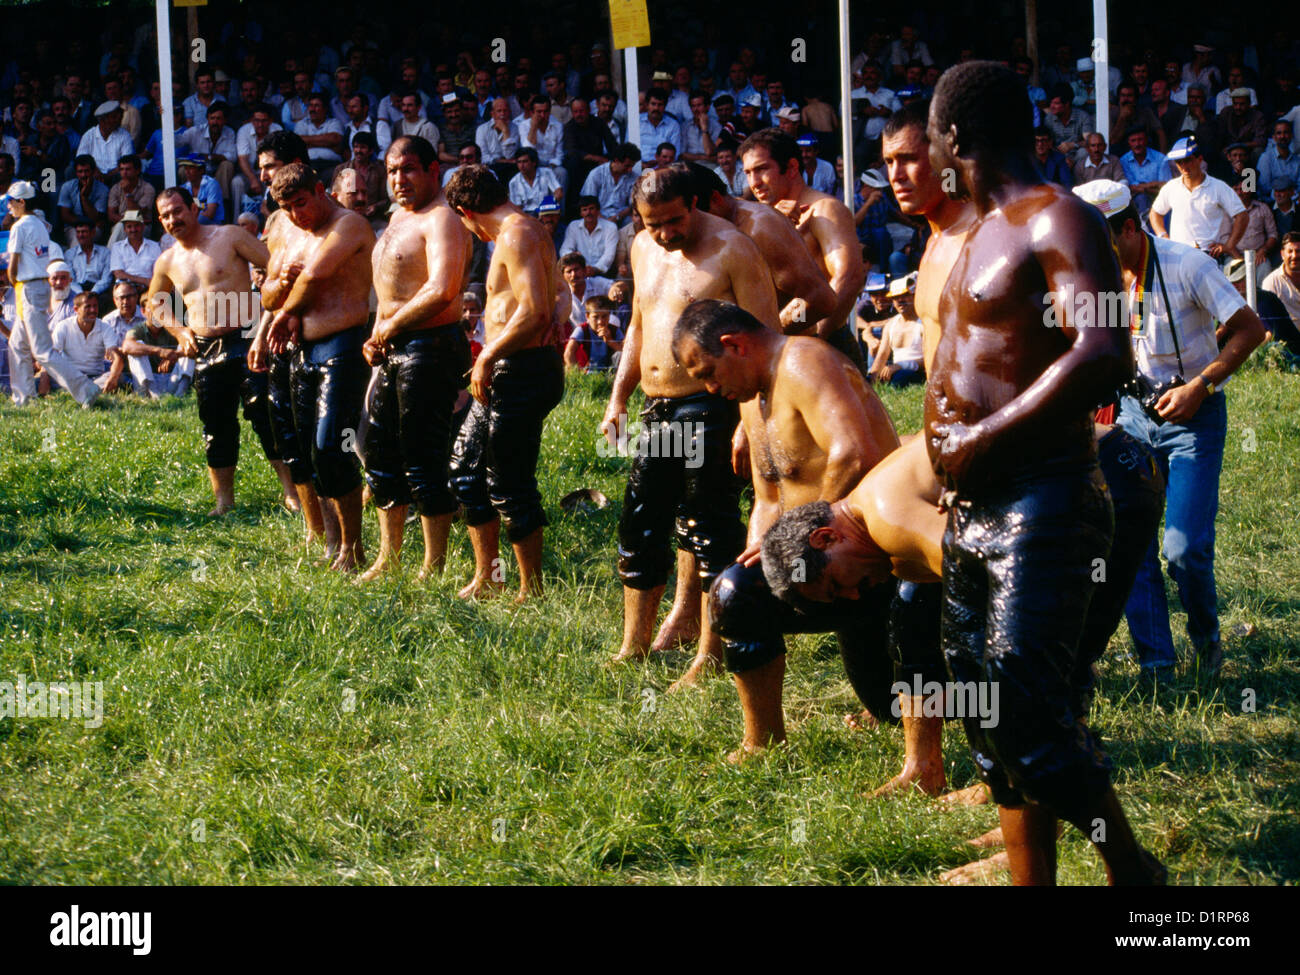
{"points": [[1169, 309]]}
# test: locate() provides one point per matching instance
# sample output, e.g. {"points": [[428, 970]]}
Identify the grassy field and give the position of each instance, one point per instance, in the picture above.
{"points": [[266, 721]]}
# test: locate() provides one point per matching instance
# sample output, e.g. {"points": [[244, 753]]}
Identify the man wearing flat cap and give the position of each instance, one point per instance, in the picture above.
{"points": [[106, 141]]}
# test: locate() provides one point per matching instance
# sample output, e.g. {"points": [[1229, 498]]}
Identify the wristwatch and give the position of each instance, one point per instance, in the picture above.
{"points": [[1210, 388]]}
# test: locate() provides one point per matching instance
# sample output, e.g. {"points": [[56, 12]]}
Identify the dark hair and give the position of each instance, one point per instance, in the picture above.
{"points": [[588, 201], [366, 139], [988, 105], [415, 145], [475, 189], [706, 321], [658, 93], [85, 160], [1040, 130], [528, 151], [205, 71], [780, 146], [539, 100], [217, 106], [627, 150], [666, 145], [186, 196], [573, 259], [655, 186], [1116, 221], [130, 159], [912, 114], [598, 303], [707, 182], [292, 179], [786, 547], [1064, 92], [286, 146], [724, 99], [1291, 237]]}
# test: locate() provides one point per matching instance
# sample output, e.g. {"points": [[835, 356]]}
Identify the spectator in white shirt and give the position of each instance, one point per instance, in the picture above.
{"points": [[729, 169], [540, 132], [89, 261], [532, 183], [1206, 213], [322, 134], [358, 119], [216, 142], [390, 109], [817, 173], [248, 182], [498, 140], [657, 127], [88, 344], [592, 236], [875, 103], [133, 258], [125, 314], [611, 183], [906, 49], [106, 141]]}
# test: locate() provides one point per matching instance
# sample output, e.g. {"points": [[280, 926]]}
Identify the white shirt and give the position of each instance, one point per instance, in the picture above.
{"points": [[1200, 294], [596, 247], [882, 97], [29, 239], [95, 268], [737, 183], [330, 125], [595, 285], [422, 127], [823, 179], [9, 147], [1224, 99], [906, 339], [549, 144], [106, 150], [119, 328], [1279, 284], [614, 196], [381, 130], [494, 146], [529, 197], [87, 352], [1199, 217], [246, 140], [124, 257]]}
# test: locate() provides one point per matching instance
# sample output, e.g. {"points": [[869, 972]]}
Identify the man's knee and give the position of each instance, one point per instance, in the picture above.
{"points": [[1185, 552]]}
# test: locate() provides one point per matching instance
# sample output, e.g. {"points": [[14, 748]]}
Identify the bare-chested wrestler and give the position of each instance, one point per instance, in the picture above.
{"points": [[804, 297], [518, 378], [324, 307], [814, 429], [1008, 425], [772, 163], [421, 355], [682, 466], [208, 266]]}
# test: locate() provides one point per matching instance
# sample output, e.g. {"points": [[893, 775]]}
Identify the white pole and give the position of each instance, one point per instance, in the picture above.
{"points": [[1101, 62], [1252, 283], [633, 97], [846, 105], [165, 87]]}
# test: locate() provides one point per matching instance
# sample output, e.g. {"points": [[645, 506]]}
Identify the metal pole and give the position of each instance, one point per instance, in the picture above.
{"points": [[1101, 64], [165, 90], [633, 97], [1251, 280], [846, 106]]}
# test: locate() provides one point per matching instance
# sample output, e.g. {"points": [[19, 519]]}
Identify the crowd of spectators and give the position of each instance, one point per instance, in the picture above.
{"points": [[1203, 136]]}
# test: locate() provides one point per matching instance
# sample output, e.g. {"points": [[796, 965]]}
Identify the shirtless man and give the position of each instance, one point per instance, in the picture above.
{"points": [[517, 379], [421, 355], [682, 255], [208, 265], [1008, 428], [814, 429], [318, 285], [771, 162], [804, 298]]}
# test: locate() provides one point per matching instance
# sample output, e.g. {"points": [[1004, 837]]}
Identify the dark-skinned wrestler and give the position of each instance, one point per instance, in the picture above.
{"points": [[1008, 428]]}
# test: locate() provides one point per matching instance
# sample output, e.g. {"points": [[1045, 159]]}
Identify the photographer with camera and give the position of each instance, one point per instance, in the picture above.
{"points": [[1175, 405]]}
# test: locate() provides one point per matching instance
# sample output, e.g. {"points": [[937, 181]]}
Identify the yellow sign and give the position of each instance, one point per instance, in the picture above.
{"points": [[189, 3], [630, 23]]}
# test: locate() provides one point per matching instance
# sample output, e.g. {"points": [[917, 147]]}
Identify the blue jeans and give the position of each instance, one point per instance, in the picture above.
{"points": [[1191, 456]]}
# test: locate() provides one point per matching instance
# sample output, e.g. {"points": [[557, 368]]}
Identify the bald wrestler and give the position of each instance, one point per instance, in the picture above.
{"points": [[771, 161], [1008, 429], [814, 429], [324, 306], [682, 255], [421, 355], [517, 379], [208, 266]]}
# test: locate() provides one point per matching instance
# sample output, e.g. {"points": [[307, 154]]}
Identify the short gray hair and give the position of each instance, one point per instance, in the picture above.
{"points": [[786, 546]]}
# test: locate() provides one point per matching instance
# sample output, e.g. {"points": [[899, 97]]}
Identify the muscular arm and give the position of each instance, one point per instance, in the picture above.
{"points": [[793, 274], [158, 308], [339, 246], [1157, 223], [843, 255], [1244, 331], [252, 249]]}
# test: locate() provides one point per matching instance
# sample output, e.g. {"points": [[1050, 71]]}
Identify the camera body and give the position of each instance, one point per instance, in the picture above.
{"points": [[1148, 395]]}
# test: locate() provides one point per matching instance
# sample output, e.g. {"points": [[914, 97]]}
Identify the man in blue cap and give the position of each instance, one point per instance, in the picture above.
{"points": [[1198, 209], [817, 173]]}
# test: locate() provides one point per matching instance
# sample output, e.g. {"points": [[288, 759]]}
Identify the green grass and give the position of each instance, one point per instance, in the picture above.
{"points": [[324, 733]]}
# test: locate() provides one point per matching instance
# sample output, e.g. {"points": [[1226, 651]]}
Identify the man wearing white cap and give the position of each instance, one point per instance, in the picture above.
{"points": [[1197, 209], [29, 251], [1175, 405], [107, 141], [132, 258], [899, 358]]}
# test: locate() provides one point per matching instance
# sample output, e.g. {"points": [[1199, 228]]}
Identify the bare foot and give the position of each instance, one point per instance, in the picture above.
{"points": [[481, 588], [928, 781], [972, 795], [528, 594], [976, 872], [988, 841], [700, 667], [863, 720], [384, 564], [745, 753], [675, 633], [291, 503], [626, 654], [222, 508], [429, 571], [348, 560]]}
